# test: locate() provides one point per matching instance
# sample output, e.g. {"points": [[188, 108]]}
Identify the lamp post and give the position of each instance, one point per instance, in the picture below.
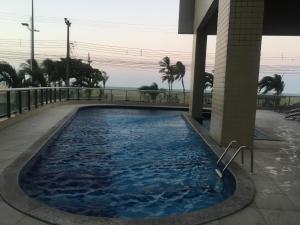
{"points": [[32, 30], [68, 23]]}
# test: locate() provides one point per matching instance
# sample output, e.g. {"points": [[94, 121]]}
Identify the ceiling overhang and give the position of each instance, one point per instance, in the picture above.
{"points": [[186, 17], [281, 18]]}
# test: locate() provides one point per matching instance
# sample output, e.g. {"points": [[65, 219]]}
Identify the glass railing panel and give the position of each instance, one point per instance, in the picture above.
{"points": [[24, 99], [187, 98], [207, 100], [133, 95], [46, 96], [161, 97], [3, 104], [14, 101], [73, 93], [38, 97], [64, 94], [94, 94], [88, 93], [81, 93], [54, 94], [108, 95], [294, 100], [32, 98], [118, 95]]}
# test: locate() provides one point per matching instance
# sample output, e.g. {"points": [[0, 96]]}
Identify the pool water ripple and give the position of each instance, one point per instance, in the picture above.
{"points": [[126, 163]]}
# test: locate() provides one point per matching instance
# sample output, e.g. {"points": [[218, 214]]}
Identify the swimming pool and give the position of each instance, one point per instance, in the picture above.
{"points": [[126, 163]]}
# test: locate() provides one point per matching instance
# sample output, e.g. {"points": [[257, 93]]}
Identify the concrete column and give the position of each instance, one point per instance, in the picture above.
{"points": [[238, 49], [198, 71]]}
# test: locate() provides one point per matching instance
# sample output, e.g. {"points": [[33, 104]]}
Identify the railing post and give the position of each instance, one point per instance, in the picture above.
{"points": [[126, 95], [111, 95], [78, 94], [55, 95], [50, 95], [20, 101], [36, 98], [28, 100], [8, 113], [42, 97]]}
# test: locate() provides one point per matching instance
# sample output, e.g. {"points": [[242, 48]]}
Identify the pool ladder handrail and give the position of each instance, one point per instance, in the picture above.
{"points": [[226, 150], [233, 143]]}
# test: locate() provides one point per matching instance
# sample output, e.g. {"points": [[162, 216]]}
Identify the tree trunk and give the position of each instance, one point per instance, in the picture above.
{"points": [[183, 90]]}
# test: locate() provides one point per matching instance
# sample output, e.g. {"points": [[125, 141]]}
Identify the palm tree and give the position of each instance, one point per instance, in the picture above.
{"points": [[9, 75], [173, 72], [168, 72], [274, 83], [36, 73], [180, 67], [105, 78], [96, 78], [208, 80], [50, 69], [152, 90]]}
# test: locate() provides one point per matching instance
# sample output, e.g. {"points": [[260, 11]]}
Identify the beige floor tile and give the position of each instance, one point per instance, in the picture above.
{"points": [[30, 221], [275, 217], [9, 216], [248, 216]]}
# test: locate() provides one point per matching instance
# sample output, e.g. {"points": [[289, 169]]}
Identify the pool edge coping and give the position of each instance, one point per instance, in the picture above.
{"points": [[14, 196]]}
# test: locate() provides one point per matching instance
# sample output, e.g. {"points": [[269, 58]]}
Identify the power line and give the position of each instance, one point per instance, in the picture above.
{"points": [[121, 49], [141, 65], [58, 20], [105, 54], [161, 28]]}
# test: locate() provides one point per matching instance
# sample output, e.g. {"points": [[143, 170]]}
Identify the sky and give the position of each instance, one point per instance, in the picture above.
{"points": [[125, 38]]}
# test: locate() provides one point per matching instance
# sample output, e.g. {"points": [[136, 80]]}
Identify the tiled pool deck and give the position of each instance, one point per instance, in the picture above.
{"points": [[277, 167]]}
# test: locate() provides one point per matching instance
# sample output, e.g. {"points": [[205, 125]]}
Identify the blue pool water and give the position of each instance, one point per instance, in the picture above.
{"points": [[126, 163]]}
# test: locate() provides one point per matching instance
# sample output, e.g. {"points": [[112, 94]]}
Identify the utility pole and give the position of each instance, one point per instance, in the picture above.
{"points": [[68, 23], [32, 30], [89, 59], [32, 34]]}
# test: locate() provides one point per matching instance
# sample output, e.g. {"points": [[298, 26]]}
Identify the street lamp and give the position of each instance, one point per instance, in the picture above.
{"points": [[28, 27], [32, 30], [68, 23]]}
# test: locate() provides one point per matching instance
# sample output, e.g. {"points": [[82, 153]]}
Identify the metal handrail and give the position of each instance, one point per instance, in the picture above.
{"points": [[233, 157], [48, 88], [240, 149], [19, 100], [226, 150], [88, 88]]}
